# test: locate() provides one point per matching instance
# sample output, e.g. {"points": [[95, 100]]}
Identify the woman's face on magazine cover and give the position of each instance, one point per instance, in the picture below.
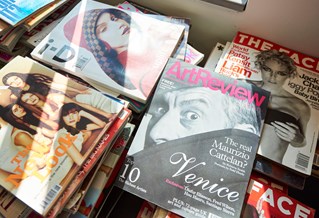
{"points": [[112, 30], [274, 73], [15, 81], [18, 111], [186, 112], [71, 118], [30, 98], [5, 96]]}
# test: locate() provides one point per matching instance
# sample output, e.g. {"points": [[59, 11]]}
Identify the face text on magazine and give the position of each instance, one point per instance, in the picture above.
{"points": [[239, 60], [270, 202], [257, 43]]}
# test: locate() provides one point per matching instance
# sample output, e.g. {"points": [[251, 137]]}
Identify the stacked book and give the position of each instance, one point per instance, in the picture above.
{"points": [[23, 24]]}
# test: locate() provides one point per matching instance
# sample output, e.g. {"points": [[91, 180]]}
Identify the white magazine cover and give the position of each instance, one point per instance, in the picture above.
{"points": [[291, 126], [111, 47], [215, 55]]}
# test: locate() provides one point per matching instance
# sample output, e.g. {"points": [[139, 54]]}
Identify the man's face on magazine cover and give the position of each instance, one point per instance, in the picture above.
{"points": [[185, 112]]}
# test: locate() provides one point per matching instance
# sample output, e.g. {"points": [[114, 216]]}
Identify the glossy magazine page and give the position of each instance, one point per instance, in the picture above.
{"points": [[127, 51], [195, 147], [49, 127], [291, 126]]}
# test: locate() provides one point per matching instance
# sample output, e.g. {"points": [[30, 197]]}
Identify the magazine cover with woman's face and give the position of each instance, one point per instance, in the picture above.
{"points": [[49, 125], [117, 49]]}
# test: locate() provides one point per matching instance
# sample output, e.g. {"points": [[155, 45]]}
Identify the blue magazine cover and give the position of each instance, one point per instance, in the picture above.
{"points": [[14, 11]]}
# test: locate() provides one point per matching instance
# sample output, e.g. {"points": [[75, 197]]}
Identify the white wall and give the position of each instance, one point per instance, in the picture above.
{"points": [[291, 23]]}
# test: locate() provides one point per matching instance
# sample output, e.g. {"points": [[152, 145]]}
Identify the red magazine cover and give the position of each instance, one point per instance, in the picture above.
{"points": [[162, 213], [147, 210], [270, 202]]}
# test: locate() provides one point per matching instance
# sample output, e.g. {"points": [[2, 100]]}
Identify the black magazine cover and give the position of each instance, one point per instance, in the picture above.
{"points": [[195, 147]]}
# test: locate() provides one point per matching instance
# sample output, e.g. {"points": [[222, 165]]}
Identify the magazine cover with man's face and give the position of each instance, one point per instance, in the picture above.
{"points": [[195, 147]]}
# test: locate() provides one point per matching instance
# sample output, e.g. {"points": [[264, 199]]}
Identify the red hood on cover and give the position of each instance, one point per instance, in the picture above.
{"points": [[80, 30], [73, 31]]}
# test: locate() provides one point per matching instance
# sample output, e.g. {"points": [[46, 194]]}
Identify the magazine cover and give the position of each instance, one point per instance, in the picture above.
{"points": [[127, 51], [104, 172], [197, 143], [214, 56], [39, 28], [193, 56], [291, 126], [268, 202], [180, 52], [13, 12], [100, 151], [49, 10], [49, 127]]}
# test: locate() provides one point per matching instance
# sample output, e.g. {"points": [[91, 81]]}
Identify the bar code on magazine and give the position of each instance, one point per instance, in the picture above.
{"points": [[302, 161], [81, 62], [50, 196]]}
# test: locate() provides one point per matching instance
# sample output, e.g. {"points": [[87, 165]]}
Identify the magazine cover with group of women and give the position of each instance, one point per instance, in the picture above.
{"points": [[49, 126]]}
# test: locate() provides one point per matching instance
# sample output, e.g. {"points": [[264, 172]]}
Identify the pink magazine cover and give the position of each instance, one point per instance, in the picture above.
{"points": [[127, 51]]}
